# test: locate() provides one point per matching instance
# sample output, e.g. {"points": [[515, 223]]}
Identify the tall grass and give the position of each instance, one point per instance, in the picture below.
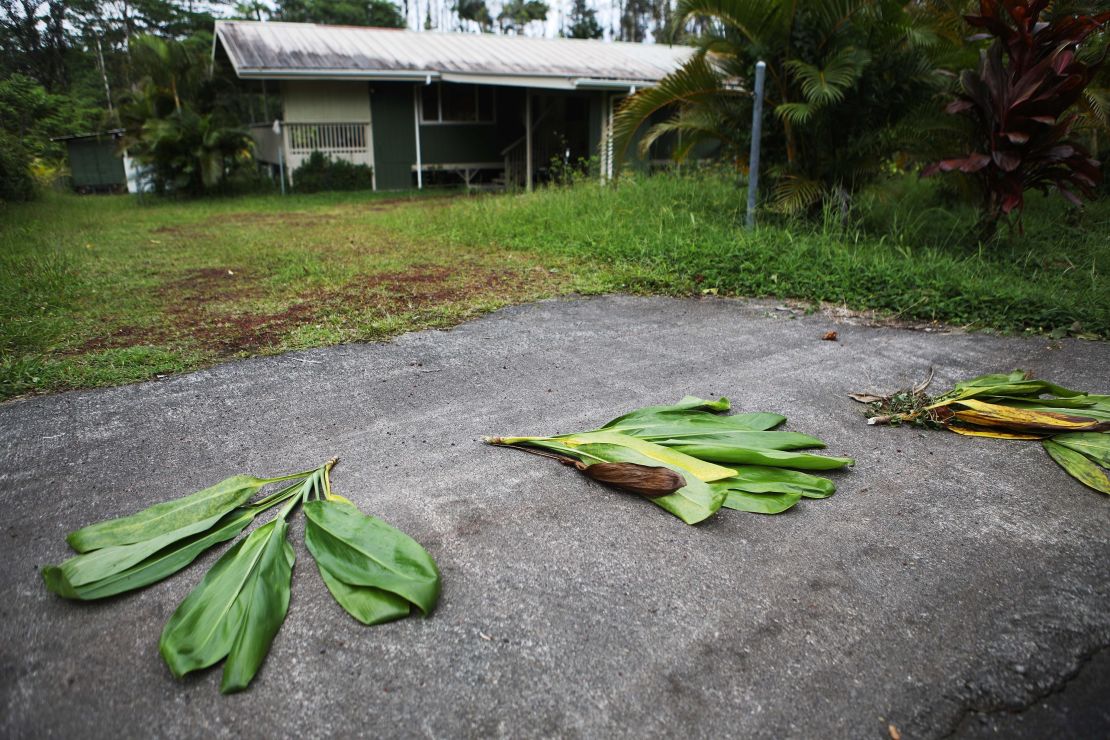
{"points": [[903, 250]]}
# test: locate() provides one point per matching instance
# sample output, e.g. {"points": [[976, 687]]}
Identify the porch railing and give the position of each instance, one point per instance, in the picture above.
{"points": [[346, 141]]}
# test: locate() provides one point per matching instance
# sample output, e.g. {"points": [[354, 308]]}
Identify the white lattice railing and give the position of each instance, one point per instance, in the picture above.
{"points": [[347, 141]]}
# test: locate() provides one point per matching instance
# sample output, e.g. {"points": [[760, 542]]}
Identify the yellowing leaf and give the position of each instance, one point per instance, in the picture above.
{"points": [[974, 432], [994, 415], [703, 471]]}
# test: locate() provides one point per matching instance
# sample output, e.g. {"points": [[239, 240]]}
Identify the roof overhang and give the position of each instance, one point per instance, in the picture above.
{"points": [[245, 54], [428, 76]]}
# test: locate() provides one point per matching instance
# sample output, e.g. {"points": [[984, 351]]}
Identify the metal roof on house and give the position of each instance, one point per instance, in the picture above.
{"points": [[270, 50]]}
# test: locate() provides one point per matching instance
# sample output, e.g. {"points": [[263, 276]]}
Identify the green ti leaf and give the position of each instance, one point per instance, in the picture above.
{"points": [[758, 479], [236, 611], [97, 565], [369, 556], [736, 455], [154, 568], [758, 503], [756, 440], [690, 415], [1078, 466], [367, 604], [118, 568], [169, 516], [763, 490], [1095, 445]]}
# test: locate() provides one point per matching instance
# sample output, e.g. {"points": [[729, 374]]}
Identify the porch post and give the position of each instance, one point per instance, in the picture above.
{"points": [[528, 140], [416, 124]]}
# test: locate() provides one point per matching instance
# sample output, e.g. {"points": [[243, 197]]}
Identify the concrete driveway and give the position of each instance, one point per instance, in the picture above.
{"points": [[952, 586]]}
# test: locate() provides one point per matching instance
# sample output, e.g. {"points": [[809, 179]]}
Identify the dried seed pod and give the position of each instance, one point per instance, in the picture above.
{"points": [[646, 480]]}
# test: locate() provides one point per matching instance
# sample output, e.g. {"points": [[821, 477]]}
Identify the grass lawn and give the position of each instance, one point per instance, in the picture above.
{"points": [[104, 290]]}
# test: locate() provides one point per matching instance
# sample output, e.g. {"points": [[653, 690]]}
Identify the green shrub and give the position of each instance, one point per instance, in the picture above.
{"points": [[16, 183], [320, 172]]}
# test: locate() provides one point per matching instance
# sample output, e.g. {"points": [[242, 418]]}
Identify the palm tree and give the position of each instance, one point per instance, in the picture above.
{"points": [[841, 74], [174, 121]]}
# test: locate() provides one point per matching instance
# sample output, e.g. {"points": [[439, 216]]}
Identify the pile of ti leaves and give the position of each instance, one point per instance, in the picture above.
{"points": [[677, 456], [1072, 425], [374, 571]]}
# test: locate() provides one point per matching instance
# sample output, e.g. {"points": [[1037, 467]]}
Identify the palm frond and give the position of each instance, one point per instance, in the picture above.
{"points": [[1095, 104], [692, 126], [758, 21], [795, 194], [822, 86], [695, 80], [798, 114]]}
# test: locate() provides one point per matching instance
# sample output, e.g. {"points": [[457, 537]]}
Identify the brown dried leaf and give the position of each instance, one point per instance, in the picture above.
{"points": [[646, 480], [866, 397]]}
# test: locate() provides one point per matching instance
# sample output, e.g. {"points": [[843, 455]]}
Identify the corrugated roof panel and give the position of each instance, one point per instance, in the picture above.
{"points": [[259, 49]]}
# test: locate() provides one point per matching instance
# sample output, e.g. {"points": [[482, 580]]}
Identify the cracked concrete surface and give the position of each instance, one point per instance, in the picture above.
{"points": [[952, 587]]}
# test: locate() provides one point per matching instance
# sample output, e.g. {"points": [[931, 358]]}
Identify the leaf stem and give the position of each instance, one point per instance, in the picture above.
{"points": [[291, 476], [274, 498], [508, 440]]}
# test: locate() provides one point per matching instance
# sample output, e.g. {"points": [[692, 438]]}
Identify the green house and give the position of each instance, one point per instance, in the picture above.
{"points": [[429, 107], [94, 164]]}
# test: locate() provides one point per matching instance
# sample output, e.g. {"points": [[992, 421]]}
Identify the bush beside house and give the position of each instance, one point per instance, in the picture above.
{"points": [[320, 172]]}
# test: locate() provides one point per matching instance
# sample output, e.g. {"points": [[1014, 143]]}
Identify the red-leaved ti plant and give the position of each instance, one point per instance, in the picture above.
{"points": [[1019, 99]]}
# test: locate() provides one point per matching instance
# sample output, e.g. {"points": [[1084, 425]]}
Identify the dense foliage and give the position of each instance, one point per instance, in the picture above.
{"points": [[178, 118], [16, 183], [854, 89], [844, 77], [379, 13], [320, 172], [1020, 102], [582, 22]]}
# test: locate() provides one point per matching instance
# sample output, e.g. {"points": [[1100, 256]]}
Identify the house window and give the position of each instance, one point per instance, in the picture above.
{"points": [[451, 103]]}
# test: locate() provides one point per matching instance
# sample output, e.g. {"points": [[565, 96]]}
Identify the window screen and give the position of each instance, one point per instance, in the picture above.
{"points": [[429, 102], [451, 103]]}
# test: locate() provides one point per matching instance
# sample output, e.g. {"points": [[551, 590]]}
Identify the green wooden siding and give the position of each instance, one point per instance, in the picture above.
{"points": [[394, 147], [93, 163]]}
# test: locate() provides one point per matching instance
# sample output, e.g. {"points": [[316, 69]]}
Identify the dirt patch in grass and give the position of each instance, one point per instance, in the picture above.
{"points": [[297, 219], [194, 312], [123, 336], [424, 285], [230, 335]]}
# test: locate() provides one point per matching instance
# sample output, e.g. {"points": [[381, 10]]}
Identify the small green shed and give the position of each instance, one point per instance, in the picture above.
{"points": [[94, 165]]}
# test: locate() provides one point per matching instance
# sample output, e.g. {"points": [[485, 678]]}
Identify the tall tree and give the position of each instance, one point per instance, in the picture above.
{"points": [[582, 21], [475, 12], [517, 15], [378, 13], [34, 39]]}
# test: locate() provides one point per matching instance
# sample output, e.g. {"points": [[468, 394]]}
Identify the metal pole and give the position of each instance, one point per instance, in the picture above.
{"points": [[528, 140], [416, 130], [757, 130], [280, 131]]}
